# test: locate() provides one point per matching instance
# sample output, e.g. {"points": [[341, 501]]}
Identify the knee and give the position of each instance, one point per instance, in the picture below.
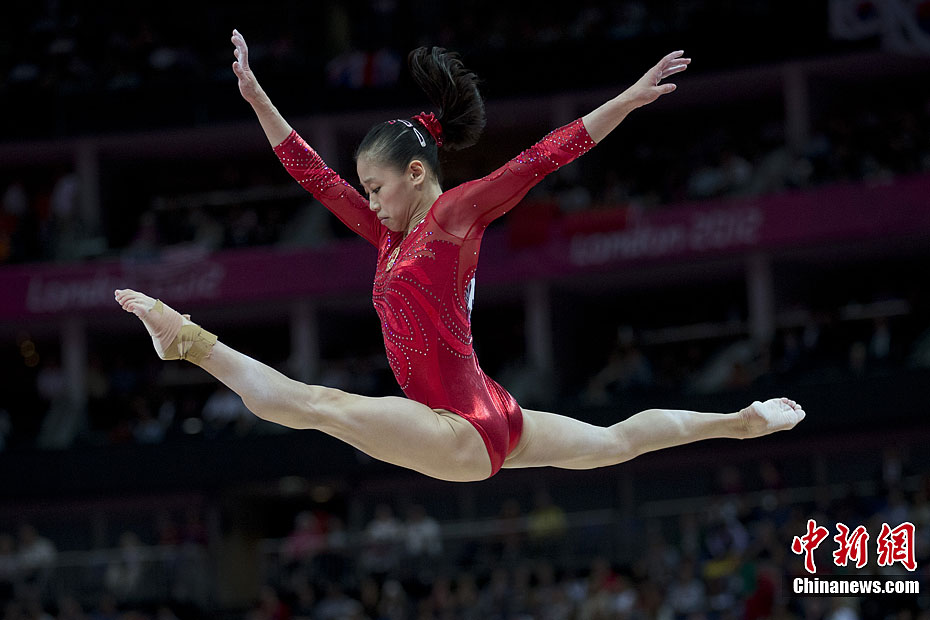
{"points": [[315, 407], [623, 447], [300, 406], [324, 407]]}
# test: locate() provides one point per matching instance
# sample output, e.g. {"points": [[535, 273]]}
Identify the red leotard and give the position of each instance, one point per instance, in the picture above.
{"points": [[424, 300]]}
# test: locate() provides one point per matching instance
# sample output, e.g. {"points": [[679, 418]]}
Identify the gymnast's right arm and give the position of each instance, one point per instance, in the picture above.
{"points": [[276, 128], [301, 161]]}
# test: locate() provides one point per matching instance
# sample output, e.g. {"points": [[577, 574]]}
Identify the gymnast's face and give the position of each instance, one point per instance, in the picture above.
{"points": [[392, 194]]}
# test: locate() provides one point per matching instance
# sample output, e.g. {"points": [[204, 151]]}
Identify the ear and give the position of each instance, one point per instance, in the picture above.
{"points": [[416, 172]]}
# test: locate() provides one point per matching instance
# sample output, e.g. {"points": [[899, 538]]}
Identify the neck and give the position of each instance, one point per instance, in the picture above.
{"points": [[430, 195]]}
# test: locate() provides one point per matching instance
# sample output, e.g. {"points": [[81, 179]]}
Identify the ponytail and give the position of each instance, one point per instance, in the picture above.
{"points": [[453, 90]]}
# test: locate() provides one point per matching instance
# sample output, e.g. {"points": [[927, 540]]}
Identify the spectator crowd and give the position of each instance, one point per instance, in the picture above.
{"points": [[730, 558]]}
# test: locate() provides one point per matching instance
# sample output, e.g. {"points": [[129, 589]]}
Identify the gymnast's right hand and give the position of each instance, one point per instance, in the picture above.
{"points": [[248, 85], [275, 127]]}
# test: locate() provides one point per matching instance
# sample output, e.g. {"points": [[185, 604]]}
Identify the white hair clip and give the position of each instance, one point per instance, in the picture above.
{"points": [[415, 130]]}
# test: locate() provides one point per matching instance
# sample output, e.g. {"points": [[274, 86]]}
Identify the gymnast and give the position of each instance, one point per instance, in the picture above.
{"points": [[456, 423]]}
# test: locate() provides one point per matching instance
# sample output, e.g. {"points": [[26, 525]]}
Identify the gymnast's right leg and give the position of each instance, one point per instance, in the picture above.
{"points": [[392, 429]]}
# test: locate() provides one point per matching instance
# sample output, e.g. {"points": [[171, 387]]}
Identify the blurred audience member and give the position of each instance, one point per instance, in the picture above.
{"points": [[626, 368], [422, 536], [70, 609], [224, 411], [9, 567], [687, 595], [146, 427], [336, 604], [384, 536], [36, 555], [305, 540], [546, 523], [107, 608], [270, 606], [123, 574]]}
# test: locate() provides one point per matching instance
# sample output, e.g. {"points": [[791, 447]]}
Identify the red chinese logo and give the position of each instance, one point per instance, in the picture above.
{"points": [[806, 544], [894, 545], [897, 545]]}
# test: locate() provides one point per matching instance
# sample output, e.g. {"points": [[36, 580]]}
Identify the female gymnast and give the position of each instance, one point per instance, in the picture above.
{"points": [[456, 423]]}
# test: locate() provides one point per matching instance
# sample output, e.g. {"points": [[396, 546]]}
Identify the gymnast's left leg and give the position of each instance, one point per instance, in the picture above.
{"points": [[557, 441]]}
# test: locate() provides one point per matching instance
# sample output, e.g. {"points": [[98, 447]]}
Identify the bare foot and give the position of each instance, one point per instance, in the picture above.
{"points": [[776, 414], [163, 325]]}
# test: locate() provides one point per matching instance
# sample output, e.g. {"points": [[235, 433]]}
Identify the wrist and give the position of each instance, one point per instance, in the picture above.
{"points": [[739, 424], [259, 100], [626, 102], [723, 426]]}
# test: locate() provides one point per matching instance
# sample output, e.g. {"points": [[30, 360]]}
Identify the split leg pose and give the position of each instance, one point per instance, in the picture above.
{"points": [[456, 423], [441, 444]]}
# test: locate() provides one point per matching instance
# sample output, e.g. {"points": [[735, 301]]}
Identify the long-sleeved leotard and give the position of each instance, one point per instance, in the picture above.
{"points": [[424, 299]]}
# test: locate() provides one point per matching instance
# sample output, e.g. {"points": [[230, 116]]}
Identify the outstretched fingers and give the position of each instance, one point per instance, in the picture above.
{"points": [[241, 52], [680, 65], [670, 65]]}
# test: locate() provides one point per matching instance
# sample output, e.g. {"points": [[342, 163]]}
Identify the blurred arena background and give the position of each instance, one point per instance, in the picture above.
{"points": [[761, 232]]}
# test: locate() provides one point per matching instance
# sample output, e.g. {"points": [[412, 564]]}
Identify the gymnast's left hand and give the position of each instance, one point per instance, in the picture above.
{"points": [[650, 87], [776, 414]]}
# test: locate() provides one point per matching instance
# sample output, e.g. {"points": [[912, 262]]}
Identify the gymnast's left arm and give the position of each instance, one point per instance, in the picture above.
{"points": [[647, 89], [480, 202]]}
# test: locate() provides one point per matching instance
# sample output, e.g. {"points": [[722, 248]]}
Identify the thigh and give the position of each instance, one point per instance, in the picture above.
{"points": [[552, 440], [404, 432]]}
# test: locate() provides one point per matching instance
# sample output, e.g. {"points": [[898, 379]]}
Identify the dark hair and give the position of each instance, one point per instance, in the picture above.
{"points": [[454, 91]]}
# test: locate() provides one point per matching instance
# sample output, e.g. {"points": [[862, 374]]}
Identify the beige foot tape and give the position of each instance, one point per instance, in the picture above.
{"points": [[192, 343]]}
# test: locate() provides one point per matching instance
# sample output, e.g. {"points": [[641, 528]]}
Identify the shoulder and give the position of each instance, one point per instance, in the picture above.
{"points": [[454, 198]]}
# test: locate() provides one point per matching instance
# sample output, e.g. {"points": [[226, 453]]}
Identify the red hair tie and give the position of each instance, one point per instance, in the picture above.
{"points": [[432, 126]]}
